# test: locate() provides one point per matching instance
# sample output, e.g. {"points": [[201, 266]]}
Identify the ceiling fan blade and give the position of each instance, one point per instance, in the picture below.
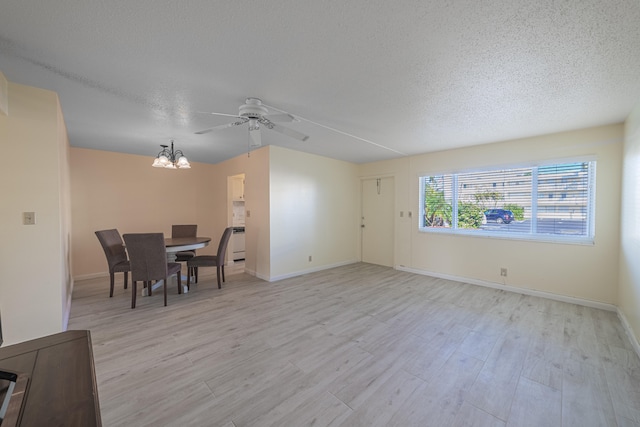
{"points": [[224, 126], [255, 138], [285, 117], [218, 114], [289, 132]]}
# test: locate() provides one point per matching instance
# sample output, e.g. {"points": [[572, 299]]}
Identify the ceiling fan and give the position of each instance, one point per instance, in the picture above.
{"points": [[255, 113]]}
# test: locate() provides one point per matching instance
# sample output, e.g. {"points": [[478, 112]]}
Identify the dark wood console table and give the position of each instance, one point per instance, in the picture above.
{"points": [[60, 383]]}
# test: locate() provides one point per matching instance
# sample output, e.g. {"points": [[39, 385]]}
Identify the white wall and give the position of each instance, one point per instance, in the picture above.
{"points": [[314, 206], [587, 272], [629, 293], [35, 283]]}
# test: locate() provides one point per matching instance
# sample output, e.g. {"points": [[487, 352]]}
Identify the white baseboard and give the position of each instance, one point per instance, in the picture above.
{"points": [[563, 298], [629, 331], [67, 311], [524, 291], [307, 271], [92, 276]]}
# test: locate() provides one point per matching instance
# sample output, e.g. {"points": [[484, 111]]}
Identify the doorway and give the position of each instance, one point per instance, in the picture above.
{"points": [[236, 218], [377, 225]]}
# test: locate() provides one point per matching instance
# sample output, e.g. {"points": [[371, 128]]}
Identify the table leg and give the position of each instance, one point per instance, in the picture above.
{"points": [[171, 257]]}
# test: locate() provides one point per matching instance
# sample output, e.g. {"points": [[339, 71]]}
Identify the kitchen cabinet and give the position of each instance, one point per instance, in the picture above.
{"points": [[237, 188]]}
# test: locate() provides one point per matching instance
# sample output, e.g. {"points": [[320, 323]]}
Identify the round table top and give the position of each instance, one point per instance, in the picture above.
{"points": [[171, 242]]}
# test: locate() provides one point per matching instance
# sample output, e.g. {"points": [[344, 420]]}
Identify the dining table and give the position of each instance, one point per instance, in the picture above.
{"points": [[178, 244], [174, 245]]}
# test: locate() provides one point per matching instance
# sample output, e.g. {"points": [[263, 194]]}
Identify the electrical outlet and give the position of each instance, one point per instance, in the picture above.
{"points": [[503, 272], [310, 258], [28, 218]]}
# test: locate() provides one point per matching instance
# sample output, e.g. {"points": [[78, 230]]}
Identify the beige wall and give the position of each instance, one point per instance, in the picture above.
{"points": [[314, 209], [135, 197], [34, 259], [196, 196], [66, 273], [284, 216], [132, 197], [629, 293], [114, 190], [587, 272]]}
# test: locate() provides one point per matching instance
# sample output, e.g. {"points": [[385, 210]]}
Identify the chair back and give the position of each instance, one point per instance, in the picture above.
{"points": [[184, 230], [222, 246], [147, 255], [113, 246]]}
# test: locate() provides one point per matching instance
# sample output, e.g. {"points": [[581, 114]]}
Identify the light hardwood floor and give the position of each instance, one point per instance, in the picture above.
{"points": [[359, 345]]}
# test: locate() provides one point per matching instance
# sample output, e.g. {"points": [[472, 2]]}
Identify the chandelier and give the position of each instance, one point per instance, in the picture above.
{"points": [[171, 159]]}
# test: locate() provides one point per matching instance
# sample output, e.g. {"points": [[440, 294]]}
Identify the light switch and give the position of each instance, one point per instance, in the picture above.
{"points": [[248, 214], [28, 218]]}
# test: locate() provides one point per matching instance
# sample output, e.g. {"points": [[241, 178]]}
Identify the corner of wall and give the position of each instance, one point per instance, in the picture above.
{"points": [[629, 271]]}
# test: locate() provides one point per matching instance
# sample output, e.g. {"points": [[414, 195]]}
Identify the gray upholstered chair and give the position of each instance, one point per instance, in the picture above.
{"points": [[116, 255], [148, 258], [184, 231], [210, 260]]}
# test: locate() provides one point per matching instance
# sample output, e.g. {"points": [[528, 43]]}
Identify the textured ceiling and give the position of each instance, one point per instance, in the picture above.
{"points": [[400, 77]]}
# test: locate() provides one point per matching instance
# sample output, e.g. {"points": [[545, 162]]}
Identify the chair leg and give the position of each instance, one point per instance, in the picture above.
{"points": [[111, 280], [164, 285], [196, 275], [223, 273], [133, 294], [189, 270], [126, 279], [149, 287], [218, 271], [179, 276]]}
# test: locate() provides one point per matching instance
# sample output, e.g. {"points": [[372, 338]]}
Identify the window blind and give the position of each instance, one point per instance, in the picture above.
{"points": [[551, 200]]}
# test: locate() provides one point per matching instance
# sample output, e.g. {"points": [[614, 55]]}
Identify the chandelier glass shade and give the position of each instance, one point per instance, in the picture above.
{"points": [[171, 159]]}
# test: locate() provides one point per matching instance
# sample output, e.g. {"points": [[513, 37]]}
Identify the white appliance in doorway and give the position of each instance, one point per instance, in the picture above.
{"points": [[237, 241], [236, 200]]}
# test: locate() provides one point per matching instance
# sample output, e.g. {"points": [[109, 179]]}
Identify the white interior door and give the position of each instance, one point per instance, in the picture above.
{"points": [[378, 201]]}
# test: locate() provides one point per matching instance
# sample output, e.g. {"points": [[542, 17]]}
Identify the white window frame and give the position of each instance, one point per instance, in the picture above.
{"points": [[587, 239]]}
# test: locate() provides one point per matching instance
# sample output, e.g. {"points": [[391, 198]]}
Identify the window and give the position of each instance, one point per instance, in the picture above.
{"points": [[550, 202]]}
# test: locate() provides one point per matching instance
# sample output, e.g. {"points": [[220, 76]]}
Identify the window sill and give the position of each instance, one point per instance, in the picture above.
{"points": [[543, 238]]}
